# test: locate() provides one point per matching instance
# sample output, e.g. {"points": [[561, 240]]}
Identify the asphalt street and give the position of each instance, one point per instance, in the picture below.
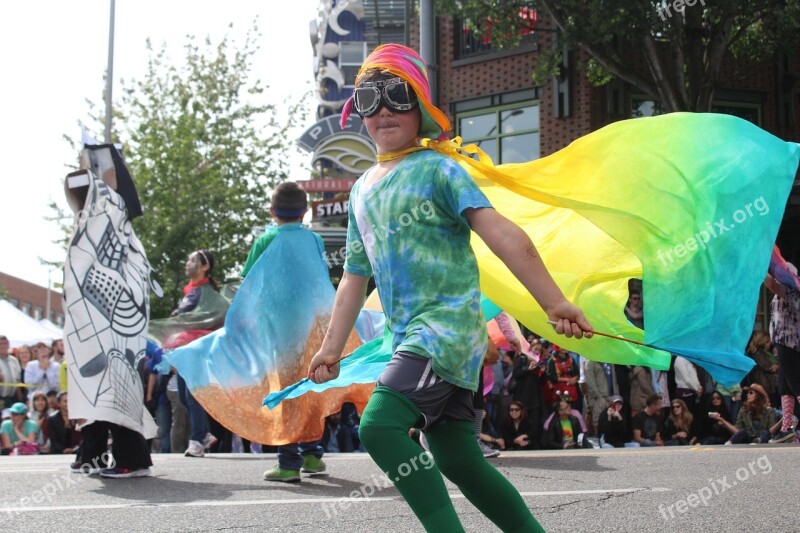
{"points": [[714, 488]]}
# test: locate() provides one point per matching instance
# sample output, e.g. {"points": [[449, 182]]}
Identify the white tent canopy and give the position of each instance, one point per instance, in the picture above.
{"points": [[22, 329], [55, 330]]}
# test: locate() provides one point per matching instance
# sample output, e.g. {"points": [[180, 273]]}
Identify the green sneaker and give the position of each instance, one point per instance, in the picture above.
{"points": [[313, 465], [279, 474]]}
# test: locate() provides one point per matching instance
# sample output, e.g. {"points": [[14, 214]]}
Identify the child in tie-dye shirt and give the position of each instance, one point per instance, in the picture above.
{"points": [[411, 217]]}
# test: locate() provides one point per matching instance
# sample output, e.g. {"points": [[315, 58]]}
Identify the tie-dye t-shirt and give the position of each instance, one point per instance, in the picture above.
{"points": [[410, 232]]}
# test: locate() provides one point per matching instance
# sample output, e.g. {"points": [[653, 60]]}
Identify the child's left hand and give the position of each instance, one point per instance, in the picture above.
{"points": [[569, 320]]}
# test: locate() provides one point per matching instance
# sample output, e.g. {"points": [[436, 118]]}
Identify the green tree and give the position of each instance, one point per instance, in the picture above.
{"points": [[681, 50], [204, 158]]}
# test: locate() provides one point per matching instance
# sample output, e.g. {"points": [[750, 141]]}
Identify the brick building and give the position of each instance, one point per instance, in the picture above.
{"points": [[480, 87], [492, 100], [31, 299]]}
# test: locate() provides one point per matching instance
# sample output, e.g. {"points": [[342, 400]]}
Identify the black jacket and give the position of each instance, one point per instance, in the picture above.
{"points": [[528, 390], [554, 437], [61, 437]]}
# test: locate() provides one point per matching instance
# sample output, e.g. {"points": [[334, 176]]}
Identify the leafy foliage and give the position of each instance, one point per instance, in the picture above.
{"points": [[204, 158]]}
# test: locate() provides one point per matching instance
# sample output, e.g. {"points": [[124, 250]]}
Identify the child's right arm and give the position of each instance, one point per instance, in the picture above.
{"points": [[349, 300]]}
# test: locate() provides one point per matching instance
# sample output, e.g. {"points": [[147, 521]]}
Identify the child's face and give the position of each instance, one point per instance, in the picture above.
{"points": [[393, 131]]}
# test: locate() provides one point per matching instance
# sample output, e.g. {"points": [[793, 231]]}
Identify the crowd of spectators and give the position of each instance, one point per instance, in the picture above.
{"points": [[34, 400], [542, 398], [559, 400]]}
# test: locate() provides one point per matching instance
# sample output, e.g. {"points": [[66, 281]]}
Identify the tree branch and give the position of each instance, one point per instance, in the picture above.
{"points": [[604, 57], [665, 89], [717, 46]]}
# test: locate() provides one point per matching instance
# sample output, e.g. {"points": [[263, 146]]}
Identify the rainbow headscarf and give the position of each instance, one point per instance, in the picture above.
{"points": [[405, 63]]}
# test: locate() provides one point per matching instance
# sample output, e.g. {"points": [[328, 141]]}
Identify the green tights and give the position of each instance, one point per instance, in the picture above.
{"points": [[384, 432]]}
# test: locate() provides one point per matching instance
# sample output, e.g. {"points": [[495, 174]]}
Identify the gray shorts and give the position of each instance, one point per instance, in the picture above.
{"points": [[412, 376]]}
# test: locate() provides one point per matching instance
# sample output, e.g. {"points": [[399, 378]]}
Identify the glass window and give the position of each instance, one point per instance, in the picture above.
{"points": [[26, 308], [645, 108], [508, 134], [641, 107], [489, 146], [38, 312], [477, 126], [522, 119], [751, 112], [351, 56], [520, 148]]}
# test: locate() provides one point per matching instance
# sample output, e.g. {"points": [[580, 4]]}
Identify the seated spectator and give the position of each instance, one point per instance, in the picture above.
{"points": [[613, 426], [712, 428], [42, 373], [565, 431], [516, 432], [40, 414], [731, 396], [52, 401], [18, 435], [679, 427], [756, 418], [64, 438], [574, 412], [647, 426]]}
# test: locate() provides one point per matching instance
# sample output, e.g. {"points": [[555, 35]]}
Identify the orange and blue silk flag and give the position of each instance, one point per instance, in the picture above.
{"points": [[273, 327]]}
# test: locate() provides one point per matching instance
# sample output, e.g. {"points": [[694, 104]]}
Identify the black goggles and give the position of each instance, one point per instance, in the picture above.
{"points": [[394, 93]]}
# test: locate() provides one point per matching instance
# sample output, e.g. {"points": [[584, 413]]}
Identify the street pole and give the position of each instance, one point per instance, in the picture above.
{"points": [[47, 305], [109, 73], [427, 45]]}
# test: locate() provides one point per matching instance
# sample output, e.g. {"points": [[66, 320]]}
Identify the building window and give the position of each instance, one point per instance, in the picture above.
{"points": [[470, 44], [642, 107], [747, 111], [645, 108], [351, 57], [38, 313], [509, 134], [26, 308], [14, 302]]}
